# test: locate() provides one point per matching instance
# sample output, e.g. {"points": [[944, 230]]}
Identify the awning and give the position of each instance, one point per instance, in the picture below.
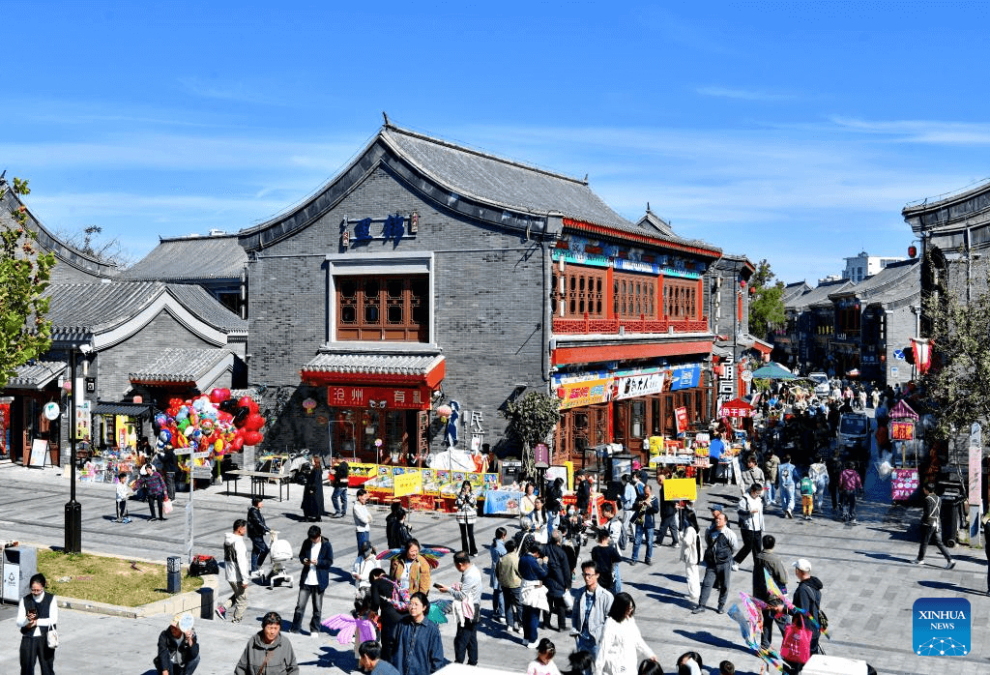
{"points": [[375, 368], [750, 342], [36, 376], [127, 409], [736, 408], [193, 367]]}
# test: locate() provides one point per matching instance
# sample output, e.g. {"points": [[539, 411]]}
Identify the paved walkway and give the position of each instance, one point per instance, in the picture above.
{"points": [[870, 587]]}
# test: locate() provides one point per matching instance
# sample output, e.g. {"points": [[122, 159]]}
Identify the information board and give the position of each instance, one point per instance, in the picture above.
{"points": [[39, 451], [903, 484], [676, 489], [408, 484]]}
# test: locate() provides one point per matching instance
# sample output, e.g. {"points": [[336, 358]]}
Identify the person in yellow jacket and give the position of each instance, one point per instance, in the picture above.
{"points": [[411, 571]]}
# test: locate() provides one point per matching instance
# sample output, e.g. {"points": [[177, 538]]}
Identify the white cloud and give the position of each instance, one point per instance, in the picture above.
{"points": [[920, 131], [743, 94]]}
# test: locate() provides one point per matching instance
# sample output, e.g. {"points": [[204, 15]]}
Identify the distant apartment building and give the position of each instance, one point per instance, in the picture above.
{"points": [[864, 265]]}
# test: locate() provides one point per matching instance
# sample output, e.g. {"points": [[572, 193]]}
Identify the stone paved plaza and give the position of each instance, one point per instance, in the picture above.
{"points": [[869, 584]]}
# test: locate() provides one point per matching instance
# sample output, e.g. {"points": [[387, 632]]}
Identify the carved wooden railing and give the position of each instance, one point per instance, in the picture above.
{"points": [[586, 326]]}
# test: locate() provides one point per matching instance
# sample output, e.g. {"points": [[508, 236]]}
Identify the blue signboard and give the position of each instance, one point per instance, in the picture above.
{"points": [[684, 377]]}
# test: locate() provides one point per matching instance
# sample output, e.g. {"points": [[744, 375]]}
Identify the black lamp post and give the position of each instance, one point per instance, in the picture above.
{"points": [[73, 509]]}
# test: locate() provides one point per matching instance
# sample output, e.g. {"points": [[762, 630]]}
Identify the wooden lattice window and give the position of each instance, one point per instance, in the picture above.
{"points": [[579, 290], [680, 299], [634, 296], [383, 308]]}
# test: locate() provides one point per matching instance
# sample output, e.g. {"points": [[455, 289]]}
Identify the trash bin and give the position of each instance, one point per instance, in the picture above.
{"points": [[19, 565], [174, 566], [952, 516], [206, 603]]}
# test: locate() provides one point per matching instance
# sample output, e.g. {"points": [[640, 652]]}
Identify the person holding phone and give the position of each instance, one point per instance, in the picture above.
{"points": [[37, 613], [316, 556]]}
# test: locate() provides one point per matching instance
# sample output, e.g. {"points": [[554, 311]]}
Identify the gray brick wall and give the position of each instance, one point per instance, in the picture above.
{"points": [[900, 329], [113, 365], [487, 309]]}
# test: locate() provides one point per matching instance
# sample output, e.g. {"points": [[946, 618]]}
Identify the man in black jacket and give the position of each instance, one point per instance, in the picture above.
{"points": [[178, 647], [257, 529], [808, 598], [341, 479], [558, 581], [316, 556]]}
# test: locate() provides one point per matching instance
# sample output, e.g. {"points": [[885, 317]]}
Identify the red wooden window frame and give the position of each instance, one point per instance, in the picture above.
{"points": [[680, 299], [380, 308]]}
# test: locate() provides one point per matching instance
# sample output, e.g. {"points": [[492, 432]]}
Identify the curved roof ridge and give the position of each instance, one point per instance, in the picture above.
{"points": [[63, 250], [473, 151]]}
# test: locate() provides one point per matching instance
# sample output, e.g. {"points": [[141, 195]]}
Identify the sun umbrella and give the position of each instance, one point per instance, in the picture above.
{"points": [[773, 371]]}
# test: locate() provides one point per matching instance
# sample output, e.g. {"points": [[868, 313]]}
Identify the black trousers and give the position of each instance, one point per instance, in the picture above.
{"points": [[466, 642], [558, 608], [467, 539], [927, 532], [156, 499], [720, 573], [35, 649], [752, 541], [769, 619]]}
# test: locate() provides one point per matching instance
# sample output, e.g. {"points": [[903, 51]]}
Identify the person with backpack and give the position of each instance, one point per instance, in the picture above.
{"points": [[834, 467], [807, 600], [931, 525], [750, 511], [786, 475], [849, 484], [341, 479], [257, 529], [807, 497], [771, 467], [818, 472], [721, 543], [629, 495]]}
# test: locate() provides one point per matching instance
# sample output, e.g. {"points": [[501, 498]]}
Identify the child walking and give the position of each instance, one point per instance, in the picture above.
{"points": [[543, 665], [807, 496], [122, 498]]}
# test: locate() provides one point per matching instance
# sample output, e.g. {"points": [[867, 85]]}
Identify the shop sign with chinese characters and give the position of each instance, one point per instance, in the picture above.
{"points": [[395, 398], [588, 392]]}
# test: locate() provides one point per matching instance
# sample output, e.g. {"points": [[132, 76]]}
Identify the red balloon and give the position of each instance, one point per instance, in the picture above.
{"points": [[225, 417], [252, 438], [248, 403], [237, 444], [216, 396], [254, 422]]}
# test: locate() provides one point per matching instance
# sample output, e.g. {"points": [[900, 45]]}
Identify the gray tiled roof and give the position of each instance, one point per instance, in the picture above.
{"points": [[377, 364], [181, 365], [36, 375], [191, 259], [794, 291], [904, 273], [81, 309], [818, 294]]}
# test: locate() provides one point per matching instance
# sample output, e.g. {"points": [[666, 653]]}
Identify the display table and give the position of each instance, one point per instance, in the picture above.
{"points": [[259, 479], [502, 502]]}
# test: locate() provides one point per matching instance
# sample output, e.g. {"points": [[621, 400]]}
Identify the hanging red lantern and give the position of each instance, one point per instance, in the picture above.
{"points": [[742, 283], [912, 251]]}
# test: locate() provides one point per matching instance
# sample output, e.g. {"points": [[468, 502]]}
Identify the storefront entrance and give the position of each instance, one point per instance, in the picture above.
{"points": [[354, 432]]}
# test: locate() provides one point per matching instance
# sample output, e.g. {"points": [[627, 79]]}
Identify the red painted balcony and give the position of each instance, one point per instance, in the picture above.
{"points": [[587, 326]]}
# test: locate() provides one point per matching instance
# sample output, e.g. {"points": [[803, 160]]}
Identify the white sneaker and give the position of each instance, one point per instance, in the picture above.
{"points": [[532, 645], [735, 567]]}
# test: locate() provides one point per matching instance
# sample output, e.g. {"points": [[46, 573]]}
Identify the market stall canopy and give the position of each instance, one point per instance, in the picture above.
{"points": [[773, 371], [737, 408], [902, 411], [36, 376], [192, 367]]}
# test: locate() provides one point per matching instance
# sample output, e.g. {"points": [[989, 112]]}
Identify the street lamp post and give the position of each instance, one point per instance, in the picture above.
{"points": [[73, 509]]}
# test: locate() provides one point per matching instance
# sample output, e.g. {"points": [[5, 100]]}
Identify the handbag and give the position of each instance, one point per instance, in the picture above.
{"points": [[796, 647], [52, 637], [167, 505], [203, 564]]}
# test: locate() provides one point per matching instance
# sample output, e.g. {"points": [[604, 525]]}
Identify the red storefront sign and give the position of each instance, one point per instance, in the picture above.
{"points": [[901, 431], [396, 398], [681, 417]]}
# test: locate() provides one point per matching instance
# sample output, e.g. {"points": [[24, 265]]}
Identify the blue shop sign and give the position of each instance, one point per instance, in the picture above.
{"points": [[684, 377]]}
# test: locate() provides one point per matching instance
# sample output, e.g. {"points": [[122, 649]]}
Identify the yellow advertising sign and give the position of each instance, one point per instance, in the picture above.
{"points": [[676, 489], [577, 394], [408, 484]]}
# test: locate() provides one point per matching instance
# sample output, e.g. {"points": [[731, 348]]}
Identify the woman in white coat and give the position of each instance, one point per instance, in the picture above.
{"points": [[691, 550], [621, 640]]}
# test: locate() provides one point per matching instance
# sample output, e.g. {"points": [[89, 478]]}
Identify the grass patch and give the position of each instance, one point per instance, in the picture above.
{"points": [[116, 581]]}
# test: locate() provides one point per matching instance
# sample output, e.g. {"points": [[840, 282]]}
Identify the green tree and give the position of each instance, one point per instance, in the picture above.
{"points": [[532, 418], [25, 271], [958, 384], [766, 305]]}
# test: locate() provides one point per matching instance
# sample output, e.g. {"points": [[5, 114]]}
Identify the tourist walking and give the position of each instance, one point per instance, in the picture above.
{"points": [[591, 608], [621, 640], [850, 484], [154, 489], [316, 556], [256, 531], [558, 581], [341, 477], [668, 514], [750, 511], [691, 556], [237, 571], [931, 526], [720, 543], [509, 582], [466, 513], [312, 503], [533, 573], [170, 467], [786, 475], [607, 558], [37, 615], [380, 600], [767, 562], [468, 592], [268, 651], [497, 551], [397, 532], [362, 518], [644, 519]]}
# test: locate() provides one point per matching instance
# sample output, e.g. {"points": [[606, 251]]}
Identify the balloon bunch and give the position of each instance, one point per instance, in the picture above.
{"points": [[214, 423]]}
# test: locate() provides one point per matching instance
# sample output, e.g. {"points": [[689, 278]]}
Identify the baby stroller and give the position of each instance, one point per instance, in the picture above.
{"points": [[280, 554]]}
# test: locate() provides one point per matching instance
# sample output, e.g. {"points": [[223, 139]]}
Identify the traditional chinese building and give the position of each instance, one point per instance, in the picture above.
{"points": [[431, 278]]}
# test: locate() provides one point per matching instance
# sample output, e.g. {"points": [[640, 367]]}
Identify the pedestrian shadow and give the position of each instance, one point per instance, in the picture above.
{"points": [[949, 586], [886, 557], [707, 638], [909, 534], [330, 657], [661, 594]]}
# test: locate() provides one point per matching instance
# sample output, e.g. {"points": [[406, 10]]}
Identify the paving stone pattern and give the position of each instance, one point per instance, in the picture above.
{"points": [[870, 587]]}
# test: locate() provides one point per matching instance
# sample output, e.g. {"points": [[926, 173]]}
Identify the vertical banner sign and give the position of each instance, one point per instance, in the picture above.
{"points": [[681, 417], [975, 464]]}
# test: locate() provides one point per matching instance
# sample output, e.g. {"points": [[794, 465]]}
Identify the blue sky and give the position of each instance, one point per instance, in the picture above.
{"points": [[792, 131]]}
